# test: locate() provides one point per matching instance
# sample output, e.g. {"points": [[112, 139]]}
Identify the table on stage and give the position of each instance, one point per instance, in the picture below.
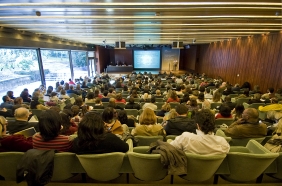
{"points": [[119, 68]]}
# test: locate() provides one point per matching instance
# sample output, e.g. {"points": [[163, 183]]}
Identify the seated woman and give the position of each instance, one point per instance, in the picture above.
{"points": [[35, 104], [50, 124], [15, 142], [204, 142], [148, 125], [164, 110], [124, 119], [93, 139], [69, 125], [275, 143], [119, 98], [173, 97], [192, 105], [216, 97], [63, 95], [224, 112], [25, 95], [111, 123], [90, 98], [237, 112]]}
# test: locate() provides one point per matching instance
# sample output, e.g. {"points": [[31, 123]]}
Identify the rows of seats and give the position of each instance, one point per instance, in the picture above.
{"points": [[241, 164]]}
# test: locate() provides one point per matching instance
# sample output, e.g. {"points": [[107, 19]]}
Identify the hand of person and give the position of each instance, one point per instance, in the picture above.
{"points": [[240, 121]]}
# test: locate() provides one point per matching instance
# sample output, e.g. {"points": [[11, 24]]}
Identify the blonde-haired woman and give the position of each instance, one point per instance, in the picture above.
{"points": [[12, 142], [148, 125]]}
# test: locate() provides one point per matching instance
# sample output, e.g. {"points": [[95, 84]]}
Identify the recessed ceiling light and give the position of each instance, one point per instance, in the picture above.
{"points": [[109, 10]]}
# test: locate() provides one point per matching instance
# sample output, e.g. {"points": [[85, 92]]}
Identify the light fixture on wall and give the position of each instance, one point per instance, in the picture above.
{"points": [[194, 40]]}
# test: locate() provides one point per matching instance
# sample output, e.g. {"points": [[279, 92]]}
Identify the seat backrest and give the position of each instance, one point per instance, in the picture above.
{"points": [[227, 121], [102, 167], [215, 105], [244, 141], [147, 140], [133, 112], [36, 112], [256, 105], [72, 95], [147, 167], [278, 162], [196, 162], [122, 105], [242, 100], [174, 104], [63, 166], [244, 166], [159, 105], [8, 164]]}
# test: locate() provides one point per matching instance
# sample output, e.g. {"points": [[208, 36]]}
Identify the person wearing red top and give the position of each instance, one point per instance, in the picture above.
{"points": [[71, 82], [119, 99], [69, 126], [173, 97], [224, 112], [12, 142], [50, 124]]}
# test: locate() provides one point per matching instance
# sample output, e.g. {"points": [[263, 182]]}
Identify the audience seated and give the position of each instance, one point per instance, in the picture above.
{"points": [[8, 103], [50, 125], [112, 125], [119, 98], [98, 104], [18, 102], [69, 127], [237, 112], [273, 106], [224, 112], [151, 105], [25, 95], [21, 122], [12, 142], [92, 138], [248, 126], [90, 98], [204, 142], [129, 120], [164, 110], [173, 97], [148, 125], [132, 105], [35, 104], [63, 95], [112, 103], [181, 123]]}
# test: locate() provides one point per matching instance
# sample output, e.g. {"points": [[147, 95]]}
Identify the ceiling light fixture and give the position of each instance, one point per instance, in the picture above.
{"points": [[38, 13]]}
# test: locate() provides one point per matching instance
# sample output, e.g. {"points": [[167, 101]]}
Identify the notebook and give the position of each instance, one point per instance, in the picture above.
{"points": [[27, 132]]}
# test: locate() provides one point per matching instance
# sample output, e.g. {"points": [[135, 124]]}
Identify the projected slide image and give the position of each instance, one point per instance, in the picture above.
{"points": [[147, 59]]}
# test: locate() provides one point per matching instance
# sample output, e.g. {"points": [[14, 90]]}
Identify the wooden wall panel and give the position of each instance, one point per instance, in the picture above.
{"points": [[188, 58], [256, 59], [124, 56]]}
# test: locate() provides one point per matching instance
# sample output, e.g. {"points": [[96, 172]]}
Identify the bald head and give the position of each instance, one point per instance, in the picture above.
{"points": [[22, 114], [251, 115]]}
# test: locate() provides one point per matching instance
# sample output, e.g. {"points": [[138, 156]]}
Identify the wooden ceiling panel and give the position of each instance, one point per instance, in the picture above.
{"points": [[142, 22]]}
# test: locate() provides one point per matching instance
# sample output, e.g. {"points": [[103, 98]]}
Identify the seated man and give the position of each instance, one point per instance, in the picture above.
{"points": [[132, 105], [7, 103], [21, 123], [181, 123], [71, 90], [204, 142], [273, 106], [248, 126], [151, 105]]}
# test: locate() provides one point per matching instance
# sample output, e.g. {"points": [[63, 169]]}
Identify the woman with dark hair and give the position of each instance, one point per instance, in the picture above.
{"points": [[69, 127], [122, 117], [50, 123], [204, 142], [35, 104], [84, 85], [111, 123], [224, 112], [201, 98], [237, 112], [192, 105], [78, 101], [90, 98], [185, 98], [93, 139], [25, 95]]}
